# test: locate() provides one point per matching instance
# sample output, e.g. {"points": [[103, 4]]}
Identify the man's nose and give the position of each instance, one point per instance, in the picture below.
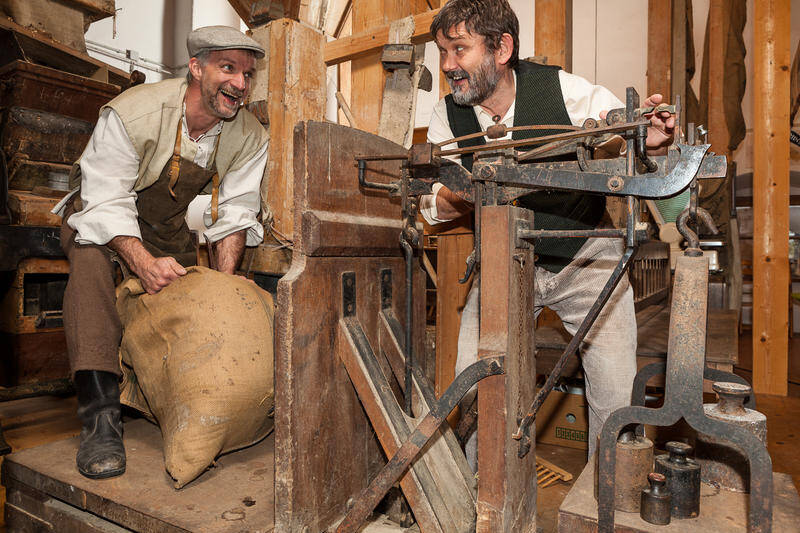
{"points": [[448, 63], [239, 82]]}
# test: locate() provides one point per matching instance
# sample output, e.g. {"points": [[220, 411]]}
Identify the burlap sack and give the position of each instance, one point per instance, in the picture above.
{"points": [[197, 357]]}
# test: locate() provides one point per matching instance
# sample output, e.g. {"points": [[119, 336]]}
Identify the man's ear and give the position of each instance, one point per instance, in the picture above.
{"points": [[506, 49], [195, 68]]}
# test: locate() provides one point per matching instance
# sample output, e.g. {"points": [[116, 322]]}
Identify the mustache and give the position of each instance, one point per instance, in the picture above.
{"points": [[453, 74]]}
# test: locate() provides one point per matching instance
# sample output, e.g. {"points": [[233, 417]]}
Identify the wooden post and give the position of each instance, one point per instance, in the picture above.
{"points": [[718, 28], [290, 83], [553, 32], [771, 196], [506, 483], [659, 48]]}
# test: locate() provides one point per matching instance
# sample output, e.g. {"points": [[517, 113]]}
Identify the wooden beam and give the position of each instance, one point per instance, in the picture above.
{"points": [[373, 39], [290, 83], [659, 48], [678, 52], [367, 74], [718, 29], [506, 483], [244, 8], [771, 196], [553, 32]]}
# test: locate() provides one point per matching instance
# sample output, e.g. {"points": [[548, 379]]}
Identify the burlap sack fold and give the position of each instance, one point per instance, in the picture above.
{"points": [[197, 357]]}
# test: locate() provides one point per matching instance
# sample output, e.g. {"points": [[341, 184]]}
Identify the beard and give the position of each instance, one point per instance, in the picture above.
{"points": [[482, 82], [217, 101]]}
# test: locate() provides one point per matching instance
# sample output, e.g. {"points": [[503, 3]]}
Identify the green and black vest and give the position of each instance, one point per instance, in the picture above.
{"points": [[538, 101]]}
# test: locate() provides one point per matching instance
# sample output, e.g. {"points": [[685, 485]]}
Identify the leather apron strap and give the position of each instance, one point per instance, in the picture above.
{"points": [[174, 170]]}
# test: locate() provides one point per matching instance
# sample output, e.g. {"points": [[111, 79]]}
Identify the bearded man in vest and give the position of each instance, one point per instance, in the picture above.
{"points": [[478, 42], [154, 149]]}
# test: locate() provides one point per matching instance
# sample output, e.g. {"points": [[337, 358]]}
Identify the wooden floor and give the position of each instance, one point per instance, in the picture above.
{"points": [[34, 421]]}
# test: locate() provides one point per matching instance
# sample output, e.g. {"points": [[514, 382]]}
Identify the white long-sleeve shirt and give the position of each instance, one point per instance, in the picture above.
{"points": [[581, 98], [109, 170]]}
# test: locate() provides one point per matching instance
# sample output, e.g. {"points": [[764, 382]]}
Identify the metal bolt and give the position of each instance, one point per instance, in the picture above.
{"points": [[615, 183], [487, 172]]}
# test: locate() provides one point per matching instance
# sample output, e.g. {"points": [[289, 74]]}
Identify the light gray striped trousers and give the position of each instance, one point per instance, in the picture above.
{"points": [[608, 353]]}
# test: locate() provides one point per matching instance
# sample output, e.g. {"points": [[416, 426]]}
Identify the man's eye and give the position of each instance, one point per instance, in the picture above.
{"points": [[227, 68]]}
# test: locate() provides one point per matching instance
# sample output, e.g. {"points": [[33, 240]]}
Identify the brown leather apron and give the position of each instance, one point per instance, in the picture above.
{"points": [[162, 206], [162, 218]]}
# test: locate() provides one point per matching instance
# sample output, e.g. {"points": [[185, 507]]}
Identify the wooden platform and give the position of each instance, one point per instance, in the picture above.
{"points": [[45, 492], [719, 510]]}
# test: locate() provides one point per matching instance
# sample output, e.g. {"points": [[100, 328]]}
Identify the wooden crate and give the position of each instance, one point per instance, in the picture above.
{"points": [[28, 353], [14, 317], [47, 89]]}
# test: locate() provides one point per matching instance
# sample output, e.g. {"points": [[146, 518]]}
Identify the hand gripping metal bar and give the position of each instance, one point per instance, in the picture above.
{"points": [[399, 463]]}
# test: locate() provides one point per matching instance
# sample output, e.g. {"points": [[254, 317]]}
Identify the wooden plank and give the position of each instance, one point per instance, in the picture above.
{"points": [[294, 91], [506, 483], [29, 209], [659, 48], [771, 197], [553, 32], [428, 499], [451, 296], [144, 499], [369, 39]]}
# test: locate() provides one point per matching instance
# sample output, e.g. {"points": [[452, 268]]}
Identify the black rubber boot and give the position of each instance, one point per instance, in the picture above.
{"points": [[101, 453]]}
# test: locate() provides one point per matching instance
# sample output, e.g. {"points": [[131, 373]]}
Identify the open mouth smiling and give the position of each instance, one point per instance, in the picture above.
{"points": [[230, 98]]}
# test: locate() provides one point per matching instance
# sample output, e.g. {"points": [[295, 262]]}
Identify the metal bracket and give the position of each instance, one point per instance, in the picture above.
{"points": [[397, 56], [386, 288], [348, 294]]}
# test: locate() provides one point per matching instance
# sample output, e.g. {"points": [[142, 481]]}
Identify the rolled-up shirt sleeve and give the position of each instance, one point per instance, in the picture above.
{"points": [[583, 99], [239, 202], [109, 169]]}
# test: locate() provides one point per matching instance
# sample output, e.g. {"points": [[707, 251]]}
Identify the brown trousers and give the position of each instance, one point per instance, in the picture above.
{"points": [[91, 322]]}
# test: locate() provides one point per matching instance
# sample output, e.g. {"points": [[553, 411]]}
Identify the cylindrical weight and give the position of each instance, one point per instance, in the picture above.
{"points": [[656, 501], [721, 463], [634, 462], [683, 479]]}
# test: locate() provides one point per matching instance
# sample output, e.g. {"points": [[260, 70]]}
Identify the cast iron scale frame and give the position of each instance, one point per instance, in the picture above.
{"points": [[501, 174]]}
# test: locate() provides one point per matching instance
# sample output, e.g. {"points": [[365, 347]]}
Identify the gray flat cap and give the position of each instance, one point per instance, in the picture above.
{"points": [[211, 38]]}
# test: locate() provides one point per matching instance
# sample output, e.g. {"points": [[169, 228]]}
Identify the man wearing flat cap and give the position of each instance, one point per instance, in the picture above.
{"points": [[154, 149]]}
